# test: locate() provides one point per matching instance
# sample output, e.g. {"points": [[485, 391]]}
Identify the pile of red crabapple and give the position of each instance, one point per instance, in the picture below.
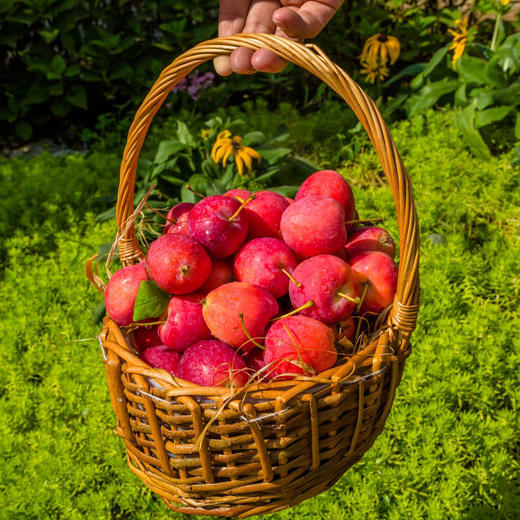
{"points": [[259, 284]]}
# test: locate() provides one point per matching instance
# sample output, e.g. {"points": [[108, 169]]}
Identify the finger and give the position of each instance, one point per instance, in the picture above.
{"points": [[265, 60], [231, 20], [259, 20], [306, 21]]}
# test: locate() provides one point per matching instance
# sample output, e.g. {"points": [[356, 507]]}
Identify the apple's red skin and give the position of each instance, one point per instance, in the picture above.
{"points": [[223, 306], [221, 273], [298, 338], [238, 193], [176, 213], [313, 226], [181, 227], [260, 262], [370, 238], [255, 359], [329, 183], [121, 293], [209, 224], [321, 278], [289, 200], [178, 264], [162, 357], [185, 324], [211, 362], [379, 272], [146, 337], [264, 213]]}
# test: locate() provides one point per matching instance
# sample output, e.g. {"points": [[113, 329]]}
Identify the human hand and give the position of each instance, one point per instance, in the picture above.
{"points": [[295, 19]]}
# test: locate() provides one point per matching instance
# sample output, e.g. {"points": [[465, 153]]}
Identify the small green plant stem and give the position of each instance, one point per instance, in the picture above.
{"points": [[347, 297], [310, 303], [188, 187], [291, 277], [365, 289], [255, 343], [495, 32], [241, 207]]}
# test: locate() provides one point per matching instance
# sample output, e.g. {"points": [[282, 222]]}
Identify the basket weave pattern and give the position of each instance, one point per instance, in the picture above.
{"points": [[258, 450]]}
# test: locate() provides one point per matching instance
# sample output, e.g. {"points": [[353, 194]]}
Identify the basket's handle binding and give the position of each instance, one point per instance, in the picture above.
{"points": [[403, 314]]}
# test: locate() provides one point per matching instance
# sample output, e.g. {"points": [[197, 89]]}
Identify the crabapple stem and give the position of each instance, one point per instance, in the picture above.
{"points": [[364, 220], [188, 187], [349, 298], [365, 289], [241, 207], [310, 303], [291, 277], [255, 343]]}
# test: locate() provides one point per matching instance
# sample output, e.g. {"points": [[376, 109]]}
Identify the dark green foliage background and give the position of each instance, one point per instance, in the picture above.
{"points": [[450, 448]]}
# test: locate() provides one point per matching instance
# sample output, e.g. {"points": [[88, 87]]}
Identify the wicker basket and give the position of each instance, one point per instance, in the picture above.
{"points": [[206, 451]]}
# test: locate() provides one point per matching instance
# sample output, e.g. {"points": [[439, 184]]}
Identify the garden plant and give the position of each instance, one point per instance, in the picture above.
{"points": [[446, 80]]}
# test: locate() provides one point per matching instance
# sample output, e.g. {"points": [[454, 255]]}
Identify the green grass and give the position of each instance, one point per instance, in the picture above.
{"points": [[450, 448]]}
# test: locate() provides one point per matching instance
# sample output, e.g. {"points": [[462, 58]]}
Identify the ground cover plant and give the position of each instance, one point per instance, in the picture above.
{"points": [[450, 447]]}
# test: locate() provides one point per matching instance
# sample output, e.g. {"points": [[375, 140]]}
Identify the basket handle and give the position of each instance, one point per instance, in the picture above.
{"points": [[403, 314]]}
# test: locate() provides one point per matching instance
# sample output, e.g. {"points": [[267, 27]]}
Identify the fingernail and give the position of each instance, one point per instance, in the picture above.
{"points": [[221, 64]]}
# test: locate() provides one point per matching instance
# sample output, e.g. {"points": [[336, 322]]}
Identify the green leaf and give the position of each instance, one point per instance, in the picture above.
{"points": [[104, 250], [109, 214], [198, 183], [411, 70], [166, 149], [429, 95], [23, 130], [286, 191], [473, 70], [517, 126], [49, 35], [58, 64], [482, 97], [187, 195], [60, 108], [461, 99], [464, 121], [99, 312], [77, 96], [228, 175], [273, 155], [184, 135], [432, 64], [150, 301], [491, 115], [253, 139]]}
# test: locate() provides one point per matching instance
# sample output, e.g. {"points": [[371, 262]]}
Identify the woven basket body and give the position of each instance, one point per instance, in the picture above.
{"points": [[225, 452]]}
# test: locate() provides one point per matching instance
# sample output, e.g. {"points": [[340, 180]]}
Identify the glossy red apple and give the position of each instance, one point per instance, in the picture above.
{"points": [[329, 283], [178, 263], [213, 363], [264, 213], [371, 238], [184, 324], [267, 263], [298, 345], [121, 292], [224, 307], [314, 225], [176, 213], [219, 224], [329, 183], [376, 274]]}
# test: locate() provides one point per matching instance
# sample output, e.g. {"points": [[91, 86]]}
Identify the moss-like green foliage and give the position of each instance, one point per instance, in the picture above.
{"points": [[450, 446]]}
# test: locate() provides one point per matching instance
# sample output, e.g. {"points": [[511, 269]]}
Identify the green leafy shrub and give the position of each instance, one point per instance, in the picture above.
{"points": [[450, 446], [75, 59]]}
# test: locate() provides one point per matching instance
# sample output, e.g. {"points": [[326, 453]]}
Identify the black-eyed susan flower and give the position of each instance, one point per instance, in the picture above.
{"points": [[460, 38], [372, 70], [227, 145], [378, 48]]}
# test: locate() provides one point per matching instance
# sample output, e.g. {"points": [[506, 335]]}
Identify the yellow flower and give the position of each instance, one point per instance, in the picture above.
{"points": [[205, 132], [227, 145], [379, 48], [372, 70], [459, 40], [505, 3]]}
